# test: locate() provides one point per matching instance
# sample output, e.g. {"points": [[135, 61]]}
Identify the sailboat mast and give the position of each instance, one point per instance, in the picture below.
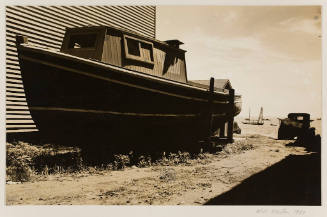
{"points": [[260, 119]]}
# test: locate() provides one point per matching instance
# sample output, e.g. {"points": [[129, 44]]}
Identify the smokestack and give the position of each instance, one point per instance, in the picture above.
{"points": [[174, 43]]}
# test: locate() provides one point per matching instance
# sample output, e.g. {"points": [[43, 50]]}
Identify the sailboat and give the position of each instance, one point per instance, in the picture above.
{"points": [[260, 120]]}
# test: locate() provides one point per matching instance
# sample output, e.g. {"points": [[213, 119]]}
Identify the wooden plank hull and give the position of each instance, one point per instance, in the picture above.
{"points": [[205, 84], [71, 98], [253, 123], [237, 105]]}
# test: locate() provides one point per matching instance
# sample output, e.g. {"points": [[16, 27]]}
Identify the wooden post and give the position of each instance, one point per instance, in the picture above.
{"points": [[231, 115], [211, 90], [222, 130]]}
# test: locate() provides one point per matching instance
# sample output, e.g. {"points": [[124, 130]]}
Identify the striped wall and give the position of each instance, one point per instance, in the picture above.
{"points": [[45, 26]]}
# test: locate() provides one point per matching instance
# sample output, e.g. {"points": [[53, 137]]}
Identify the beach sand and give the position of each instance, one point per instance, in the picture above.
{"points": [[199, 181]]}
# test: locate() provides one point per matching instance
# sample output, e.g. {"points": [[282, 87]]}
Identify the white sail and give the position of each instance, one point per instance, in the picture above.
{"points": [[260, 119]]}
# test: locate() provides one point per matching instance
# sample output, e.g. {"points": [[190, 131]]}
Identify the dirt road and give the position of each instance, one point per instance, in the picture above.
{"points": [[193, 183]]}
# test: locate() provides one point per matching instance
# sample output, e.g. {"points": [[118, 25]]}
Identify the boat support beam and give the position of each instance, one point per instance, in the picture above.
{"points": [[211, 90], [231, 121]]}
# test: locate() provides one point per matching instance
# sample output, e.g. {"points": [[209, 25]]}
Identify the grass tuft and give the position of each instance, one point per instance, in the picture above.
{"points": [[237, 147], [27, 161]]}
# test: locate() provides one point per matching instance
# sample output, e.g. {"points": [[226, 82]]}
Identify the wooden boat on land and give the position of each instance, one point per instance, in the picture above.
{"points": [[260, 120], [112, 83]]}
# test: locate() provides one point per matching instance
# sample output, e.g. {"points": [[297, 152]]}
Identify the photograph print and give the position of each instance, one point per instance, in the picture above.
{"points": [[163, 105]]}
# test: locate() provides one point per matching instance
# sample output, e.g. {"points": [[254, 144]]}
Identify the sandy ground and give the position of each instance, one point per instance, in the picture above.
{"points": [[194, 183]]}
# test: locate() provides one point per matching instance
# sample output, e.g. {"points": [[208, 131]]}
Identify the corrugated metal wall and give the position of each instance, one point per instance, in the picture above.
{"points": [[45, 25]]}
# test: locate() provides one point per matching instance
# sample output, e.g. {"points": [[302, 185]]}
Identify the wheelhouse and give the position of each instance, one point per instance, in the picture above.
{"points": [[128, 50]]}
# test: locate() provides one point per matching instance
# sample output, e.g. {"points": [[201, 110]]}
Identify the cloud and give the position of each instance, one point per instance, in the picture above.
{"points": [[230, 16], [272, 55], [296, 24], [260, 74]]}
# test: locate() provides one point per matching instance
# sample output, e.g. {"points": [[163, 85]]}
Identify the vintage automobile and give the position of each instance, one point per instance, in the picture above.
{"points": [[296, 125]]}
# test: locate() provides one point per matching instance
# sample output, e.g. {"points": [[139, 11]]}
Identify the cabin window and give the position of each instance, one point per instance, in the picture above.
{"points": [[139, 50], [82, 41], [133, 47]]}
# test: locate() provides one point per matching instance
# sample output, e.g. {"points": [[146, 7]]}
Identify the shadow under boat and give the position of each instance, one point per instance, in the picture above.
{"points": [[295, 180]]}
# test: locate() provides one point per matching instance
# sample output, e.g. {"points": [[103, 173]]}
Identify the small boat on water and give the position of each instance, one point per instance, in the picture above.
{"points": [[260, 120], [111, 82]]}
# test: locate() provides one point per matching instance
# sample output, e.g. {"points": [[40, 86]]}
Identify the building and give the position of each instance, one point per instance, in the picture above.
{"points": [[45, 26]]}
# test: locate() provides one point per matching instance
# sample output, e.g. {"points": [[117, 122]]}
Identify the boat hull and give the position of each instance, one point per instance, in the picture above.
{"points": [[237, 105], [253, 123], [70, 98]]}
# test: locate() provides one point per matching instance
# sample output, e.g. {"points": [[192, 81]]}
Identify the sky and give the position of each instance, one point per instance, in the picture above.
{"points": [[271, 54]]}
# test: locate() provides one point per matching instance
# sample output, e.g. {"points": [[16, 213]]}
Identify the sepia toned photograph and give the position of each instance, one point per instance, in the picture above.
{"points": [[189, 105]]}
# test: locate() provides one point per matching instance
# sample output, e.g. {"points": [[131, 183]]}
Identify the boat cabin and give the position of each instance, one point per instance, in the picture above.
{"points": [[128, 50]]}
